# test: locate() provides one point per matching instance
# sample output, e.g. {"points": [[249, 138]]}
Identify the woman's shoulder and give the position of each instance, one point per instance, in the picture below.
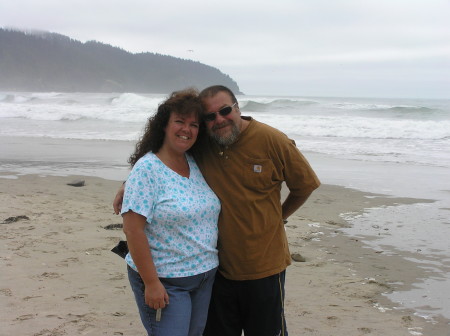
{"points": [[149, 162], [148, 158]]}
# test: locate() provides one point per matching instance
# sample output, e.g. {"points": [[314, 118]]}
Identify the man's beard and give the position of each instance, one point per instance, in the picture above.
{"points": [[228, 139]]}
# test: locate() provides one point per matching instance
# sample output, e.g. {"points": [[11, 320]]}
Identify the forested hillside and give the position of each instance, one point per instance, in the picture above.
{"points": [[53, 62]]}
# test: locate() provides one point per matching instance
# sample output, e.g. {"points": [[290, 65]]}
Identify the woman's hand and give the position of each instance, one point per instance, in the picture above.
{"points": [[117, 203], [134, 227], [156, 295]]}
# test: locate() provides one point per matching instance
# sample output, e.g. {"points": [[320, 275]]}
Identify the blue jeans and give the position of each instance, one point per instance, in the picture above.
{"points": [[188, 308]]}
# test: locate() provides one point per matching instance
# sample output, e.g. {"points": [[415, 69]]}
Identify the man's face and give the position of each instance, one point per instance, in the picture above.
{"points": [[224, 129]]}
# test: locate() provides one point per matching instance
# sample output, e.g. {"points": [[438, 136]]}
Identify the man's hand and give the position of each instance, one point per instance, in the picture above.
{"points": [[117, 203]]}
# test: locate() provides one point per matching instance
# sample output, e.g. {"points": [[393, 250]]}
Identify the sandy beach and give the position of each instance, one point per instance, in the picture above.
{"points": [[60, 278]]}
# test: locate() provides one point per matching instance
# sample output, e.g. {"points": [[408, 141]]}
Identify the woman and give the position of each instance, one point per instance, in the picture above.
{"points": [[170, 220]]}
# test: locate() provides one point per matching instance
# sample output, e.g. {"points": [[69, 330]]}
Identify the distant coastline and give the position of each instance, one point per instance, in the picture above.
{"points": [[50, 62]]}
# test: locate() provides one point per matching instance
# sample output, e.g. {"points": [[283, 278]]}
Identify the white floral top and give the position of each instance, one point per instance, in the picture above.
{"points": [[182, 215]]}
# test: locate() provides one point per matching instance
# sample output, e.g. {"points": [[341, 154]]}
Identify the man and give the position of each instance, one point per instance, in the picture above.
{"points": [[245, 162]]}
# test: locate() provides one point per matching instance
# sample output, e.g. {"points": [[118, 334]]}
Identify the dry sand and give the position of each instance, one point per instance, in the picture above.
{"points": [[60, 278]]}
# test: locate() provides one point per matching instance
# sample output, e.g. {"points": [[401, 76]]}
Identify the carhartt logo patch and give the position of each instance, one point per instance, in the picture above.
{"points": [[257, 168]]}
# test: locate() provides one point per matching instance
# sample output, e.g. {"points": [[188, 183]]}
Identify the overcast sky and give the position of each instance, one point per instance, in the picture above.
{"points": [[366, 48]]}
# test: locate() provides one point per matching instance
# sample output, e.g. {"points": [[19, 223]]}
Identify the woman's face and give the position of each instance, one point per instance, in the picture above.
{"points": [[181, 132]]}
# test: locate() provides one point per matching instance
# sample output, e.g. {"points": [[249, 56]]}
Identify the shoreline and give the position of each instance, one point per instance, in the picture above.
{"points": [[62, 279]]}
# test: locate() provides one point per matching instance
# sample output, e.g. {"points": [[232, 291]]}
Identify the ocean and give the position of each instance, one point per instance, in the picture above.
{"points": [[396, 147]]}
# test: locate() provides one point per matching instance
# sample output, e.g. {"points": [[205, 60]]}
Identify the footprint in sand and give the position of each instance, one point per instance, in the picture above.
{"points": [[93, 251], [52, 332], [47, 275], [68, 230], [6, 291], [121, 289], [25, 317], [118, 276], [365, 330], [50, 234], [332, 320], [14, 219], [80, 316], [66, 262], [27, 298], [18, 246], [23, 254], [76, 297], [407, 320], [310, 330]]}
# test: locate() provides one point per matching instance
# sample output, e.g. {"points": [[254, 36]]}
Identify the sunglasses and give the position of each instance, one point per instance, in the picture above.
{"points": [[224, 111]]}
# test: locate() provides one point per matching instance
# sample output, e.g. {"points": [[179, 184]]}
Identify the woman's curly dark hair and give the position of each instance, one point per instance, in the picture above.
{"points": [[183, 102]]}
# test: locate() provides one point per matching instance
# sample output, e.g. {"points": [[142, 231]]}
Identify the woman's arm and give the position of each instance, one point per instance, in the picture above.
{"points": [[133, 227]]}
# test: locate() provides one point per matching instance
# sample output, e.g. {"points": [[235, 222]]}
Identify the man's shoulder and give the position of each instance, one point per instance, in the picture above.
{"points": [[265, 130]]}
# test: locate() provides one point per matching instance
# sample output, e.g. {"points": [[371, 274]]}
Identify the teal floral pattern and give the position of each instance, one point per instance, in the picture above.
{"points": [[181, 213]]}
